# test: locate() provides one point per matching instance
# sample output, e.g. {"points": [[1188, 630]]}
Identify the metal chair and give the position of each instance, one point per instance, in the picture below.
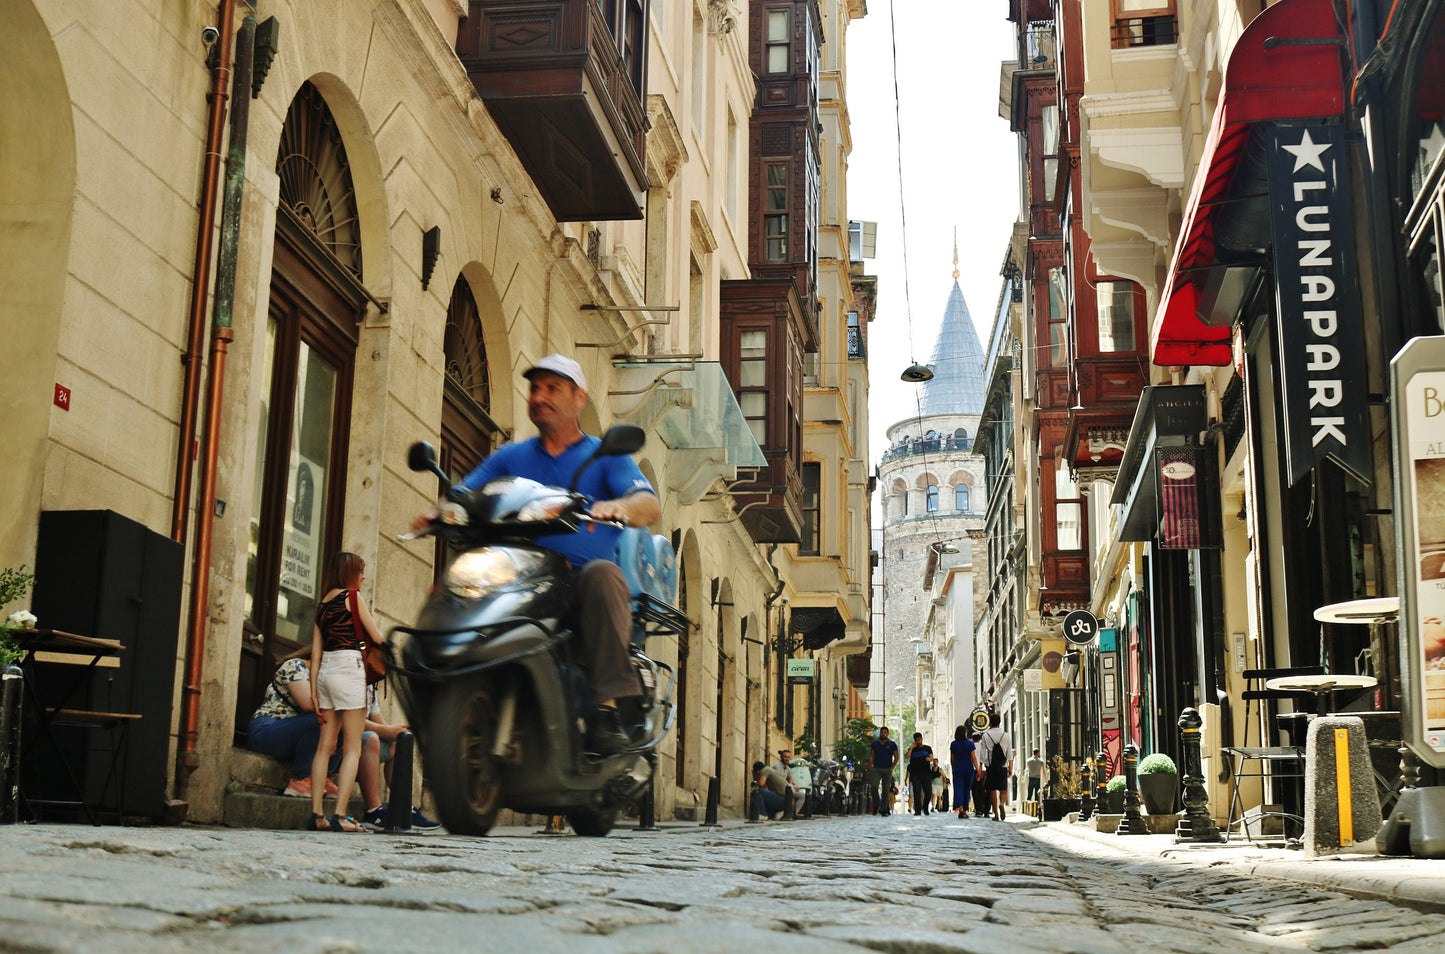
{"points": [[1272, 763]]}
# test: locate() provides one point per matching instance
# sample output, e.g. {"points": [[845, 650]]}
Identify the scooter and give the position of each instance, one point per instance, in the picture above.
{"points": [[488, 677]]}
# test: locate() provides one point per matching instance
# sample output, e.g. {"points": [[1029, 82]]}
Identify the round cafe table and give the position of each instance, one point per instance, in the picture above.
{"points": [[1384, 609], [1322, 685]]}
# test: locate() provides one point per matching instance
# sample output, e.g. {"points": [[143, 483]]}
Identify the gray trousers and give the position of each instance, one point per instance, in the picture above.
{"points": [[603, 619]]}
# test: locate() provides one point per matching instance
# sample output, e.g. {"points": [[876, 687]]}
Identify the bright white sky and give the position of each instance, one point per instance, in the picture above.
{"points": [[960, 170]]}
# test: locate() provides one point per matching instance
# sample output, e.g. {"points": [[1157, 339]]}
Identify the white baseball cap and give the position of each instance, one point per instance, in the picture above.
{"points": [[561, 365]]}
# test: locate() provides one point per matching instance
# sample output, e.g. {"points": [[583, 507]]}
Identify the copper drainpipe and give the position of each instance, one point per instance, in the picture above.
{"points": [[201, 269], [221, 336]]}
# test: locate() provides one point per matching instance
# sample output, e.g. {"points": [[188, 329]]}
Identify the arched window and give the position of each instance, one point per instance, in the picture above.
{"points": [[905, 504], [932, 498], [960, 497]]}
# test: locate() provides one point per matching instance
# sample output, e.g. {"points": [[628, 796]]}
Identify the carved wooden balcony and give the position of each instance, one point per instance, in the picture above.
{"points": [[564, 86]]}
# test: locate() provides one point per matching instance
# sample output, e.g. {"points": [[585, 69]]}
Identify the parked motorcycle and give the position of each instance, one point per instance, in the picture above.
{"points": [[488, 676]]}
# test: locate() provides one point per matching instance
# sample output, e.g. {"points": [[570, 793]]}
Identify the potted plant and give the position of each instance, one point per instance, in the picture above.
{"points": [[1112, 802], [1063, 790], [1159, 784], [13, 585]]}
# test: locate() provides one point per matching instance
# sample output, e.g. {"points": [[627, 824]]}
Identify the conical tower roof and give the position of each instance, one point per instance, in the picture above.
{"points": [[957, 386]]}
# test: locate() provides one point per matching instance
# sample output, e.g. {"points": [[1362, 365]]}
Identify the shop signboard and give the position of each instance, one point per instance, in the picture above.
{"points": [[801, 670], [1317, 301], [1417, 402]]}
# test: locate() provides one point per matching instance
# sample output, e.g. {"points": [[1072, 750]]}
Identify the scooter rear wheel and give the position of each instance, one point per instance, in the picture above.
{"points": [[464, 773], [593, 823]]}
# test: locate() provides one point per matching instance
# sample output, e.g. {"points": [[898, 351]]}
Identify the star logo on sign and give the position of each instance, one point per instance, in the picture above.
{"points": [[1307, 153]]}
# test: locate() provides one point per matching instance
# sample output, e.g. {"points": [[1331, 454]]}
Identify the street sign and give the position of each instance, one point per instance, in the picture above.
{"points": [[1417, 411], [1080, 627]]}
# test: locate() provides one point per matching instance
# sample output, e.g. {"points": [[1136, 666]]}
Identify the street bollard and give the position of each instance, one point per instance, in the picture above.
{"points": [[789, 805], [1101, 779], [647, 805], [1197, 825], [755, 798], [713, 795], [1132, 823], [1086, 790], [10, 697], [398, 808]]}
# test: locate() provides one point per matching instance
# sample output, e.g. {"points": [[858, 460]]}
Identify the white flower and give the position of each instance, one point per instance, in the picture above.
{"points": [[22, 620]]}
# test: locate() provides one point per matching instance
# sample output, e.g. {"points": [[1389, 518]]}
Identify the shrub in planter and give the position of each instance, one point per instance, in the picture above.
{"points": [[1158, 784], [1112, 802]]}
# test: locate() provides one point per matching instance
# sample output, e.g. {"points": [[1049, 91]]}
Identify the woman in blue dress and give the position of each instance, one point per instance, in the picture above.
{"points": [[963, 757]]}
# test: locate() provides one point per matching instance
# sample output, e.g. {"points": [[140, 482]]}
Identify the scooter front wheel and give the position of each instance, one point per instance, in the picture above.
{"points": [[461, 764]]}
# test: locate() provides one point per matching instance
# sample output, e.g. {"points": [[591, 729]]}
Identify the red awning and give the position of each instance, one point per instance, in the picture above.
{"points": [[1264, 79]]}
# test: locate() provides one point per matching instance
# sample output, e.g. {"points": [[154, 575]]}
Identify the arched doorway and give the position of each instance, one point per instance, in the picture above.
{"points": [[468, 431], [304, 385], [37, 199]]}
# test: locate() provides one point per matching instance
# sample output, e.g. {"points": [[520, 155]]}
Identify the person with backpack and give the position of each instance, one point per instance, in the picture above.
{"points": [[998, 764]]}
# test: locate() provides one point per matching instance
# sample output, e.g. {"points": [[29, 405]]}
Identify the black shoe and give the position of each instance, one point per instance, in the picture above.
{"points": [[607, 736]]}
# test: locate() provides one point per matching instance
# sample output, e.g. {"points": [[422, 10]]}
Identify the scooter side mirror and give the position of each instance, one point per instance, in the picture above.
{"points": [[423, 457], [620, 440]]}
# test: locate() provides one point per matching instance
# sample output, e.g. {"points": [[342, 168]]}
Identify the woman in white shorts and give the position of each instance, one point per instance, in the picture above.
{"points": [[338, 684]]}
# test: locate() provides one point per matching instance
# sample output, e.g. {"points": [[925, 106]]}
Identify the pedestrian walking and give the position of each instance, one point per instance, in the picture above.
{"points": [[980, 794], [881, 760], [963, 760], [998, 764], [338, 684], [920, 774], [1035, 766]]}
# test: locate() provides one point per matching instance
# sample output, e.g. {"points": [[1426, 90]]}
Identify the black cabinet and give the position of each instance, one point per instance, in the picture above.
{"points": [[98, 573]]}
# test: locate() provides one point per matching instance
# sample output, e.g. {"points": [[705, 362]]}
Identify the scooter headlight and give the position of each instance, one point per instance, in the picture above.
{"points": [[543, 508], [477, 572]]}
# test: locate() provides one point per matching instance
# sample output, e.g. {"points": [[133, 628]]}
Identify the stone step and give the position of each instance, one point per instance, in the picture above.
{"points": [[254, 772], [277, 812]]}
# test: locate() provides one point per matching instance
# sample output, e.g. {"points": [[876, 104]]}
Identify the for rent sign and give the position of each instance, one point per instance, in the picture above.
{"points": [[1321, 351]]}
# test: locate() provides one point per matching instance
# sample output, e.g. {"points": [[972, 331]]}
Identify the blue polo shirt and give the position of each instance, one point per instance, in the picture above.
{"points": [[606, 478]]}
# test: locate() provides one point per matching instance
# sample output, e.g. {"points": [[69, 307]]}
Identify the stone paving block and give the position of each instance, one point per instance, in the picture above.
{"points": [[1053, 903], [1009, 939], [708, 939], [1373, 934], [895, 940], [1158, 939]]}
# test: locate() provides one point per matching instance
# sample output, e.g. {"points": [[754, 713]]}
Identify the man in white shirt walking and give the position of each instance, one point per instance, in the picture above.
{"points": [[996, 750]]}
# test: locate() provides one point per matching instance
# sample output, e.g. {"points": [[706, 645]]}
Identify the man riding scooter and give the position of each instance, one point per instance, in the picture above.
{"points": [[618, 491]]}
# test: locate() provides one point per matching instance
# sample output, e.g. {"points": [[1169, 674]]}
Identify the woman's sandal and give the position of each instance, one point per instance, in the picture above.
{"points": [[345, 823], [319, 823]]}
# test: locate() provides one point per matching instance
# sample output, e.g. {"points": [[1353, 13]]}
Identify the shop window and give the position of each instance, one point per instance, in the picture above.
{"points": [[1116, 316], [775, 218], [812, 511], [1068, 509], [752, 387], [1142, 23], [779, 26], [1058, 316], [1049, 129]]}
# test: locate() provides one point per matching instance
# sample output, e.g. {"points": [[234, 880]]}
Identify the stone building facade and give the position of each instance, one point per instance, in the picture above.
{"points": [[400, 248]]}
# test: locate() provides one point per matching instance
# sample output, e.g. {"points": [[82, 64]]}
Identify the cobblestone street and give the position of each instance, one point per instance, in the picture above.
{"points": [[901, 884]]}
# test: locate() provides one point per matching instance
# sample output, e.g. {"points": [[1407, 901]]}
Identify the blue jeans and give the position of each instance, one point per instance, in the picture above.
{"points": [[962, 788], [294, 737], [769, 802]]}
